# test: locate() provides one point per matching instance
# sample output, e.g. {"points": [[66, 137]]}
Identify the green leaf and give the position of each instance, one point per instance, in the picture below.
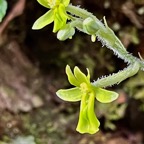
{"points": [[44, 20], [72, 95], [65, 2], [44, 3], [3, 8], [107, 35], [105, 96], [80, 76], [72, 79]]}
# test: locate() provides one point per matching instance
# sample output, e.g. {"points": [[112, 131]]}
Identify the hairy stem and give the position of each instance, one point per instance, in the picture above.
{"points": [[106, 36], [118, 77]]}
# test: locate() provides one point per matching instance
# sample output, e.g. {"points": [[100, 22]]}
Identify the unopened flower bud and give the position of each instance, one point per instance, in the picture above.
{"points": [[65, 33], [90, 26], [93, 38]]}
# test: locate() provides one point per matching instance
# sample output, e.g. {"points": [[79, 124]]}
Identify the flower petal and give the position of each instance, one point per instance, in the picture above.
{"points": [[88, 122], [72, 95], [88, 75], [44, 20], [105, 96], [60, 18], [62, 12], [44, 3], [71, 77], [58, 22], [80, 76]]}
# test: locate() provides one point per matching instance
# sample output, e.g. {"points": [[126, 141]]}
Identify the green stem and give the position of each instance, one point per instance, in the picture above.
{"points": [[117, 77], [79, 12], [76, 22]]}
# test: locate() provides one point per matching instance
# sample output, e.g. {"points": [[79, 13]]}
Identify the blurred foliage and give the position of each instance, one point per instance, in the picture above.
{"points": [[135, 88], [82, 52], [3, 8], [24, 140], [111, 112]]}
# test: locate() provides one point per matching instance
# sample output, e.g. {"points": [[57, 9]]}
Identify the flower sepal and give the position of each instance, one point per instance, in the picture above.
{"points": [[71, 95]]}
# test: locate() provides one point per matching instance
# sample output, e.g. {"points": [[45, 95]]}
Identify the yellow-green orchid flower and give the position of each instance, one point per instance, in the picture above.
{"points": [[56, 14], [85, 92]]}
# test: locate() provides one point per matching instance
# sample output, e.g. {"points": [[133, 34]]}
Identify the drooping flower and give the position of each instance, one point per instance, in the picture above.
{"points": [[56, 14], [85, 92]]}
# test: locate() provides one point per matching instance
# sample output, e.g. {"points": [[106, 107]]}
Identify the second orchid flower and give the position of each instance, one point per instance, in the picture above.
{"points": [[56, 14], [85, 92]]}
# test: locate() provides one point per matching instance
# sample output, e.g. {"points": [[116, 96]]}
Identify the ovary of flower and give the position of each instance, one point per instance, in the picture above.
{"points": [[53, 3]]}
